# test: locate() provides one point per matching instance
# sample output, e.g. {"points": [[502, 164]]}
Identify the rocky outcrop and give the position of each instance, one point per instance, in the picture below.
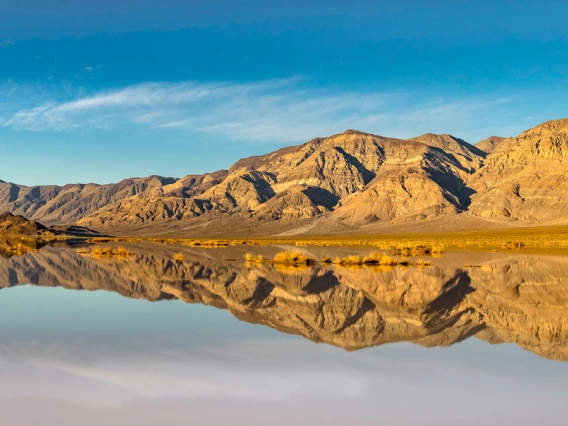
{"points": [[11, 225]]}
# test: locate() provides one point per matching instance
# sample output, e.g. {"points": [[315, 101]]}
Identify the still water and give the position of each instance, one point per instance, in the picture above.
{"points": [[209, 340]]}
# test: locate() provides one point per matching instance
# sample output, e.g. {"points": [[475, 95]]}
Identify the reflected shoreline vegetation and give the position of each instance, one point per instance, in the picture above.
{"points": [[506, 297]]}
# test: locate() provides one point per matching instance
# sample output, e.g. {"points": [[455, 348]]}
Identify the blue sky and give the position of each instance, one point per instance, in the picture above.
{"points": [[97, 91]]}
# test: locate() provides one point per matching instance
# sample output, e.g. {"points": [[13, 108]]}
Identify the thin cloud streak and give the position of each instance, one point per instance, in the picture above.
{"points": [[268, 111], [223, 369]]}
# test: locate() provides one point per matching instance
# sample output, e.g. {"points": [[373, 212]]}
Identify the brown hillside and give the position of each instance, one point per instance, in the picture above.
{"points": [[526, 178], [488, 145], [18, 225]]}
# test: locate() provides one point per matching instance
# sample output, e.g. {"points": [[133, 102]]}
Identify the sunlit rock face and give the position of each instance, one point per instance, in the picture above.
{"points": [[490, 144], [525, 178], [519, 299]]}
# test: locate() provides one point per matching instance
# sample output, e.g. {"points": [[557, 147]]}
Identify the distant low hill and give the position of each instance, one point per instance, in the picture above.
{"points": [[18, 225], [348, 183]]}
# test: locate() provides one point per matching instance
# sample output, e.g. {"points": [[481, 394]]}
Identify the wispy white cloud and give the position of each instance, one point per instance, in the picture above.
{"points": [[91, 68], [6, 42], [233, 370], [268, 111]]}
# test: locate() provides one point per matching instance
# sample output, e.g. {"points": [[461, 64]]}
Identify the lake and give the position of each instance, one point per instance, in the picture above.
{"points": [[477, 338]]}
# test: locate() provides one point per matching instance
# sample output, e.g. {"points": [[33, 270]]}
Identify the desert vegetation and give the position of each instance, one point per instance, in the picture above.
{"points": [[377, 258], [290, 269], [293, 257], [95, 240], [179, 256], [212, 243], [20, 248], [254, 258], [110, 251], [407, 250], [420, 244], [296, 258], [45, 237], [434, 244], [513, 245]]}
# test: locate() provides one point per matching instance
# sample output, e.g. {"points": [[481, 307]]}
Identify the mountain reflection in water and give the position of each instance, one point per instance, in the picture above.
{"points": [[508, 297]]}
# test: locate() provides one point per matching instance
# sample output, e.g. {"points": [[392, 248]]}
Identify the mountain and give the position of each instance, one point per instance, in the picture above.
{"points": [[18, 225], [488, 145], [525, 179], [344, 183], [417, 179], [67, 204], [353, 179]]}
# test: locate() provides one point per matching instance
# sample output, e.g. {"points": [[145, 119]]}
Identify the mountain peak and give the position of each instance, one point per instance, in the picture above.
{"points": [[357, 132], [559, 124], [15, 224], [450, 143], [490, 144]]}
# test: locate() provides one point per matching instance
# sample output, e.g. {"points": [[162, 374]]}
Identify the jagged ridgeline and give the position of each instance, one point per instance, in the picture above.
{"points": [[338, 184]]}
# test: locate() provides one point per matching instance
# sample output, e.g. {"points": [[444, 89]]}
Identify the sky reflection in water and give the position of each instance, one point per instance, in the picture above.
{"points": [[91, 358]]}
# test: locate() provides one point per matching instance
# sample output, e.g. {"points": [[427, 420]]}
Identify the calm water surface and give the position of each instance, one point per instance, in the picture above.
{"points": [[148, 340]]}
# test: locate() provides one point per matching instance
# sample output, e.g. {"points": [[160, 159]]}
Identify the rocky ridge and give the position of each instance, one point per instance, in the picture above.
{"points": [[18, 225], [350, 180]]}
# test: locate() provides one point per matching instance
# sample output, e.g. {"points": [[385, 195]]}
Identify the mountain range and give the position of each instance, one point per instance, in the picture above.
{"points": [[351, 182]]}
